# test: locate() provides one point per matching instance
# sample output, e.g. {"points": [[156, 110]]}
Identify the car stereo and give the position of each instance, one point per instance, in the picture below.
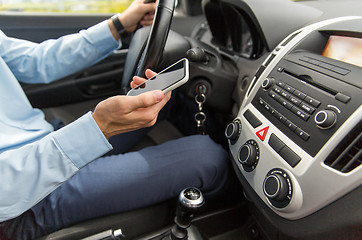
{"points": [[298, 132]]}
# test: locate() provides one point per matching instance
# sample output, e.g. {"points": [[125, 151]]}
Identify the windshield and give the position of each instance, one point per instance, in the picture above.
{"points": [[68, 6]]}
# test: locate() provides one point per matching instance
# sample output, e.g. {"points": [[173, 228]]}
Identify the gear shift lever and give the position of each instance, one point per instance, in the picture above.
{"points": [[189, 201]]}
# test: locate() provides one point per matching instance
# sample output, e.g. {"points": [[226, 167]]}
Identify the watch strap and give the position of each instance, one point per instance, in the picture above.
{"points": [[119, 27]]}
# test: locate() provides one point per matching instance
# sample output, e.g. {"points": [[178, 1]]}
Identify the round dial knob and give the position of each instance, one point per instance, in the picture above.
{"points": [[325, 118], [276, 187], [267, 83], [248, 154], [232, 130]]}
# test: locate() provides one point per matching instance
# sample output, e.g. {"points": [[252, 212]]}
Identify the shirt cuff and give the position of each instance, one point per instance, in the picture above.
{"points": [[82, 141], [100, 35]]}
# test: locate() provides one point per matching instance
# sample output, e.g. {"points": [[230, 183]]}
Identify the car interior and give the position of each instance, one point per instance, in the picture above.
{"points": [[281, 78]]}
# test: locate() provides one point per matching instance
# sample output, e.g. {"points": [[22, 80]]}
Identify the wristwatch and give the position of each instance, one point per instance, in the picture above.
{"points": [[119, 27]]}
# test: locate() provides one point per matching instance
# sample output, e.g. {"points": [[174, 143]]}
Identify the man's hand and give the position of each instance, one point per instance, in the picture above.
{"points": [[121, 114], [137, 12]]}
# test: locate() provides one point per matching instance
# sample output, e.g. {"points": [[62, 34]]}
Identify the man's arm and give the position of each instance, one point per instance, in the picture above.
{"points": [[54, 59], [30, 172]]}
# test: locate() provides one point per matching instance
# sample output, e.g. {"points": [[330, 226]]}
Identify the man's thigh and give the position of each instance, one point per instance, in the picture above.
{"points": [[124, 182]]}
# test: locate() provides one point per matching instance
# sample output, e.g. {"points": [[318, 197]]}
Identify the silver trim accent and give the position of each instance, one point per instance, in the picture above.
{"points": [[192, 203]]}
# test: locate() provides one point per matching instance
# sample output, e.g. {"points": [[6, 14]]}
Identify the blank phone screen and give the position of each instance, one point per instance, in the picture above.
{"points": [[162, 80]]}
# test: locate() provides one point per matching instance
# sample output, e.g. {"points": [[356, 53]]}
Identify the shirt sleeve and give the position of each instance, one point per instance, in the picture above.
{"points": [[36, 169], [56, 58]]}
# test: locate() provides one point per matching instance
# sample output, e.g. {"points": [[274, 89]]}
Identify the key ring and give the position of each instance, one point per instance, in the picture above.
{"points": [[200, 102], [200, 118]]}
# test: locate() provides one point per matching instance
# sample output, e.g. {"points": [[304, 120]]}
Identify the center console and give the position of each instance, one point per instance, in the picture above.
{"points": [[297, 137]]}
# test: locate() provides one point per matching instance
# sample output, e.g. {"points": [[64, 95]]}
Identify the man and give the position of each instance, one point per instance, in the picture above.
{"points": [[53, 179]]}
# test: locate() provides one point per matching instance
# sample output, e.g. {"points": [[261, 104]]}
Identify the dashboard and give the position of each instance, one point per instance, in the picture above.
{"points": [[295, 139], [306, 103]]}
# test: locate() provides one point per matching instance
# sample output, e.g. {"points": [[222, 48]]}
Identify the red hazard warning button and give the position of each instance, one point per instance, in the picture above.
{"points": [[262, 133]]}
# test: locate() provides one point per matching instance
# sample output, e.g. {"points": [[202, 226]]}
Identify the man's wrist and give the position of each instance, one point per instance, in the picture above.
{"points": [[118, 30]]}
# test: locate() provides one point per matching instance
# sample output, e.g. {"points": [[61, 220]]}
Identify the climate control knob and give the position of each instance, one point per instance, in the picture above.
{"points": [[276, 187], [325, 118], [249, 155], [232, 131]]}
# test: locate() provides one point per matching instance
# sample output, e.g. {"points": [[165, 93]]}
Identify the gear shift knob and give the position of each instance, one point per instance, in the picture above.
{"points": [[190, 200]]}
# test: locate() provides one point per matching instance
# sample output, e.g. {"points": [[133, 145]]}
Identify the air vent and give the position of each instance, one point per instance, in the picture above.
{"points": [[348, 155]]}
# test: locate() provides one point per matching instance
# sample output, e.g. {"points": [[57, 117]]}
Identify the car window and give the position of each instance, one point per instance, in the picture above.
{"points": [[65, 6]]}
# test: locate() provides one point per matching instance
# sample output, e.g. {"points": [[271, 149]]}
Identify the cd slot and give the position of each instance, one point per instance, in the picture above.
{"points": [[308, 79]]}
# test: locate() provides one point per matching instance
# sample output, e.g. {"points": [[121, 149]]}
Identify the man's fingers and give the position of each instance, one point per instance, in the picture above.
{"points": [[149, 73], [149, 7], [136, 81]]}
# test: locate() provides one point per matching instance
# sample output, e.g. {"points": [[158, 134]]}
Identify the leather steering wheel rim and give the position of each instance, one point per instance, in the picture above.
{"points": [[138, 58]]}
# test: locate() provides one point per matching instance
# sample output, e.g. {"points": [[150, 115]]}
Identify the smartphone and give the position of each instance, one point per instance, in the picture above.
{"points": [[168, 79]]}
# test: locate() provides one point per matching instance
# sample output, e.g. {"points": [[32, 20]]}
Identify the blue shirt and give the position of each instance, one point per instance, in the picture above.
{"points": [[34, 159]]}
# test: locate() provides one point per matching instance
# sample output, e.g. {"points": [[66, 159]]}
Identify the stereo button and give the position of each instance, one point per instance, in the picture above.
{"points": [[289, 88], [261, 101], [280, 84], [295, 100], [342, 97], [312, 101], [285, 94], [300, 113], [281, 118], [299, 94], [286, 103], [290, 125], [307, 108], [277, 89], [273, 95], [303, 135]]}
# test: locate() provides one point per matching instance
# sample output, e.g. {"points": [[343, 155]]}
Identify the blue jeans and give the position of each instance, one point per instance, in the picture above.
{"points": [[128, 181], [120, 183]]}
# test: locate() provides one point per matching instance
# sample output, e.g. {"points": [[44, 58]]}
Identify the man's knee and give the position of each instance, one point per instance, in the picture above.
{"points": [[212, 160]]}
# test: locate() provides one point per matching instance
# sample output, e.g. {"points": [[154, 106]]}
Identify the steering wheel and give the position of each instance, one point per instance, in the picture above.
{"points": [[141, 54]]}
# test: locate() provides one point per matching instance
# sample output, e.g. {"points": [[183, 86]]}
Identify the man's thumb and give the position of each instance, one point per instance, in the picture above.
{"points": [[149, 98]]}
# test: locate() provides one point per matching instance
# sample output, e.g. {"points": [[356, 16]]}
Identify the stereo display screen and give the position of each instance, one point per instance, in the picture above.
{"points": [[345, 49]]}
